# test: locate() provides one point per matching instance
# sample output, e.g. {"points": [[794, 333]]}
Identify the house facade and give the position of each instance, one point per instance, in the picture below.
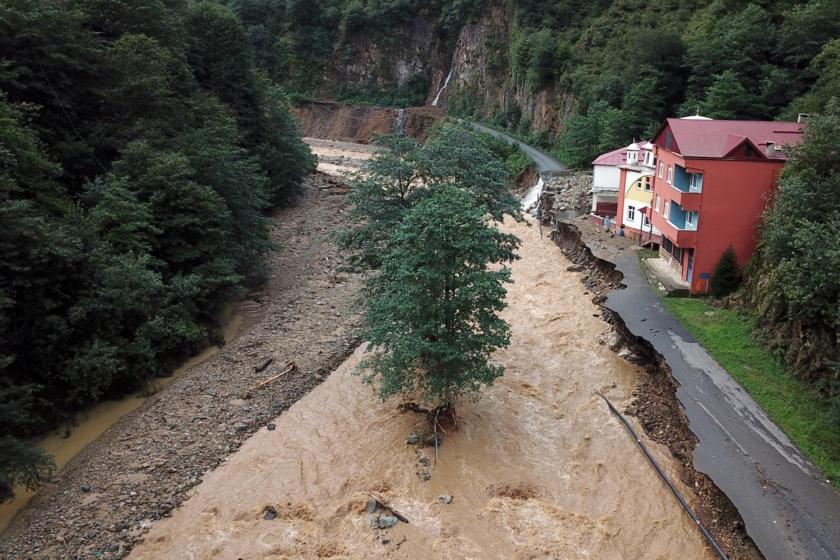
{"points": [[710, 187], [605, 181], [635, 194]]}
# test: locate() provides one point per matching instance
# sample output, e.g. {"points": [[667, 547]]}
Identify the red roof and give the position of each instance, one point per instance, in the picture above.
{"points": [[717, 138], [615, 157]]}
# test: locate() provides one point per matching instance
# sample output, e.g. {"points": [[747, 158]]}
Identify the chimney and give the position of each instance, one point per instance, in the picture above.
{"points": [[803, 117]]}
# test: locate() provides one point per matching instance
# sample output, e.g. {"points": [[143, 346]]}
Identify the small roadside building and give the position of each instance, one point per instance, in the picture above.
{"points": [[711, 184], [605, 177]]}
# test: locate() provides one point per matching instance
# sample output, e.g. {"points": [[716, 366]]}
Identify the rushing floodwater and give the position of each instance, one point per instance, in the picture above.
{"points": [[99, 418], [538, 468]]}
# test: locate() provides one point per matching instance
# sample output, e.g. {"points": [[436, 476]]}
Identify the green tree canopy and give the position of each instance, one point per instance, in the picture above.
{"points": [[799, 226], [432, 318], [403, 174]]}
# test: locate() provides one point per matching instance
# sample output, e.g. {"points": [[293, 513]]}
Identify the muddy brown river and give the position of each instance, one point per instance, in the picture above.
{"points": [[537, 469]]}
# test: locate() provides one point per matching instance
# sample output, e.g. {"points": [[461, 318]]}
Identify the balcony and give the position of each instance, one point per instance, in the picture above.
{"points": [[688, 201], [687, 182], [680, 226]]}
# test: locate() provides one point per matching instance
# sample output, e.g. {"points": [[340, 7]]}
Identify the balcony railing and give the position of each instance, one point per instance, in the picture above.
{"points": [[603, 188], [675, 228], [686, 200]]}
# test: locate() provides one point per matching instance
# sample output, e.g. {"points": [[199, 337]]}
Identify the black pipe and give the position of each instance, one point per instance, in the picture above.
{"points": [[709, 538]]}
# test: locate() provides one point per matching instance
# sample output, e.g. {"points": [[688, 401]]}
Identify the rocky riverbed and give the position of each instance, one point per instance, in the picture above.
{"points": [[144, 466]]}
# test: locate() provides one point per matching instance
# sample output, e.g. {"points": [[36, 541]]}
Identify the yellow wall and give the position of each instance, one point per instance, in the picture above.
{"points": [[636, 191]]}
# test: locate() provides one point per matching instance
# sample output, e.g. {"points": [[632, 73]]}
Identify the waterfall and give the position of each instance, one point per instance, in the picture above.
{"points": [[401, 122], [445, 83], [533, 195]]}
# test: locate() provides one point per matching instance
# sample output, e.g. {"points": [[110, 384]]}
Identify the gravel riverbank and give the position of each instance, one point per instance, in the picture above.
{"points": [[106, 499]]}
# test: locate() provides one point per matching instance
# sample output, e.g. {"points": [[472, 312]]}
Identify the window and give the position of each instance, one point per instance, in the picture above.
{"points": [[695, 182], [669, 140], [631, 213], [645, 221], [658, 201], [667, 212], [691, 220], [639, 185], [661, 169], [748, 151], [670, 175], [647, 184]]}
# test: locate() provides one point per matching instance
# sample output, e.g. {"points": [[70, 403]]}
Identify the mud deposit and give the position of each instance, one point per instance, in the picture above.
{"points": [[141, 468], [349, 123], [340, 159], [538, 468]]}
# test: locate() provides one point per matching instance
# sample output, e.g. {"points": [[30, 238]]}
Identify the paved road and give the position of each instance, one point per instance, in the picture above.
{"points": [[544, 162], [789, 510]]}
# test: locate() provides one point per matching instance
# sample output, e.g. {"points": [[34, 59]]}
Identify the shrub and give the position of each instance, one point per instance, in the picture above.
{"points": [[726, 277]]}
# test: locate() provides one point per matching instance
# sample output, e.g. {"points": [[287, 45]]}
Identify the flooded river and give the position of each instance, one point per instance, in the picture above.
{"points": [[537, 469], [93, 422]]}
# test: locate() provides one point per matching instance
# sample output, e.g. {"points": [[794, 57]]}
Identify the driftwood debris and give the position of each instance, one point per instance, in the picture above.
{"points": [[290, 366], [263, 364], [383, 504]]}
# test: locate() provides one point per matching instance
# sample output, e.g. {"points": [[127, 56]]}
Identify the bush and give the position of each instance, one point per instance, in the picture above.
{"points": [[726, 277]]}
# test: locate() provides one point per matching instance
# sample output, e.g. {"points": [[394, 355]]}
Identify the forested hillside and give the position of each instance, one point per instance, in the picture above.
{"points": [[140, 149], [578, 76]]}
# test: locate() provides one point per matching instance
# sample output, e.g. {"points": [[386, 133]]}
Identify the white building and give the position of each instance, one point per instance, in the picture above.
{"points": [[605, 181]]}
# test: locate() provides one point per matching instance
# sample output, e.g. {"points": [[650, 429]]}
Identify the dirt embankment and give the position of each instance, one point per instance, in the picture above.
{"points": [[656, 405], [525, 181], [143, 467], [357, 123]]}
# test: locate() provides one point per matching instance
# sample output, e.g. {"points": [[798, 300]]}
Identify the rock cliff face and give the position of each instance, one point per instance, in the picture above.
{"points": [[481, 82], [415, 51], [482, 78]]}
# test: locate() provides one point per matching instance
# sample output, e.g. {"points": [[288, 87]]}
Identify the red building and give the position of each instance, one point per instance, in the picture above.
{"points": [[711, 185]]}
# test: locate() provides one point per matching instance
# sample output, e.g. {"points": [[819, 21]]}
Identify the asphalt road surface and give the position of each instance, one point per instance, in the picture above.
{"points": [[544, 162], [789, 509]]}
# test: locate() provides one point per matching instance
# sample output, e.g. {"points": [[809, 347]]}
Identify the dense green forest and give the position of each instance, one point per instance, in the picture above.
{"points": [[140, 150], [624, 64]]}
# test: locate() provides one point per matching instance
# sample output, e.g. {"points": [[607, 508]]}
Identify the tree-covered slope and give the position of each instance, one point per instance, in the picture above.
{"points": [[580, 76], [140, 148]]}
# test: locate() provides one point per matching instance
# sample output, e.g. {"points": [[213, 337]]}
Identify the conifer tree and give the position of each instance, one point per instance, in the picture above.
{"points": [[726, 277]]}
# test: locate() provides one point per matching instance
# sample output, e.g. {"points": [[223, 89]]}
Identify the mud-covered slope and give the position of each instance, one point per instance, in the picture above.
{"points": [[349, 123]]}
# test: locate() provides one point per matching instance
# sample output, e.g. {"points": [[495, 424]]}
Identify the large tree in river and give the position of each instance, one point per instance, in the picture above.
{"points": [[432, 320], [425, 225]]}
